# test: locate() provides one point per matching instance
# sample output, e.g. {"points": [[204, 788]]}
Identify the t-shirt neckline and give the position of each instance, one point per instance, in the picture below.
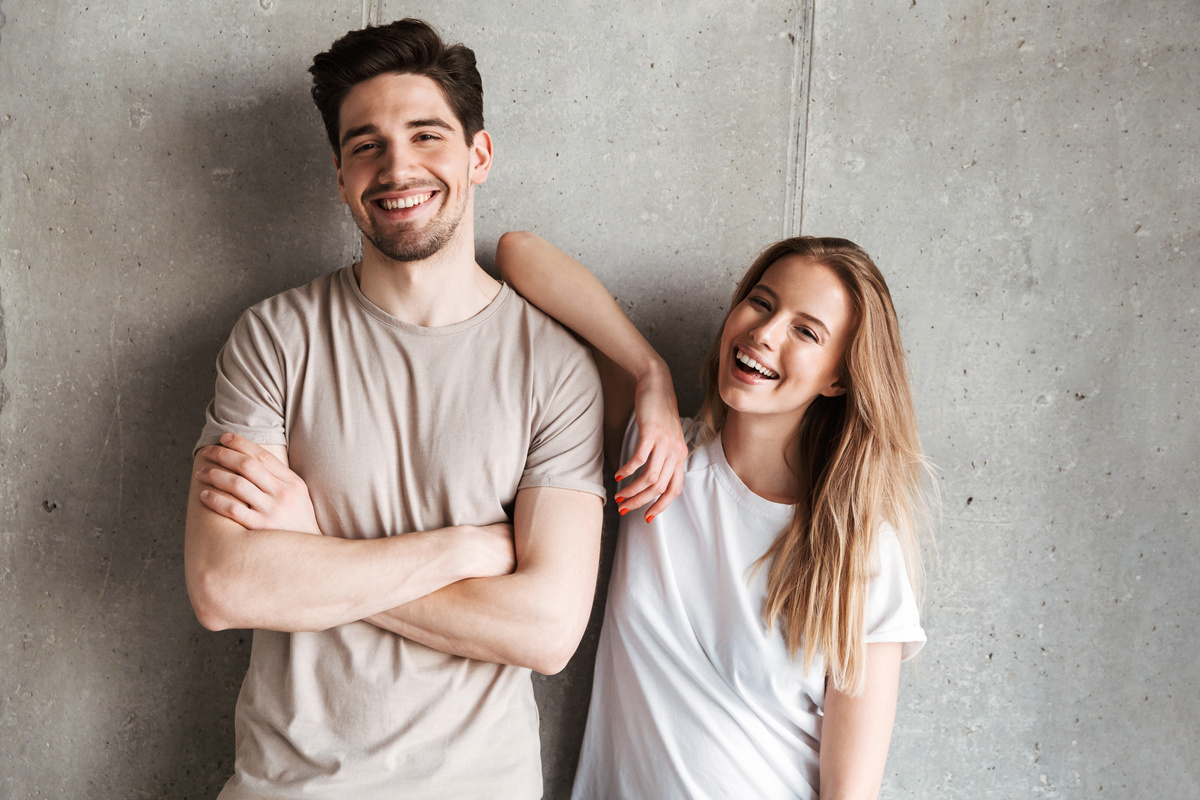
{"points": [[347, 277], [715, 450]]}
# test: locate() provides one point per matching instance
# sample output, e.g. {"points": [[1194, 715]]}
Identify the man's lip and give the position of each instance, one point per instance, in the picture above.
{"points": [[430, 190]]}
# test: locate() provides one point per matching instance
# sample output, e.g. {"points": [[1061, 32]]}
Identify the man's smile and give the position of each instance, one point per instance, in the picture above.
{"points": [[396, 203]]}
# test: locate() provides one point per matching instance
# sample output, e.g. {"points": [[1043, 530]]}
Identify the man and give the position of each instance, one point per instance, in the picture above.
{"points": [[409, 394]]}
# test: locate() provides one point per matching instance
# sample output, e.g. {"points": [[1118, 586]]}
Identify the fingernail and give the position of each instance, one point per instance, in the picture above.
{"points": [[619, 477], [650, 518], [624, 511], [620, 499], [225, 437], [204, 493]]}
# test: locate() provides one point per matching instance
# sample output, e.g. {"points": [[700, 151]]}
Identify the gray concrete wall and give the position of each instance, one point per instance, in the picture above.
{"points": [[1025, 174]]}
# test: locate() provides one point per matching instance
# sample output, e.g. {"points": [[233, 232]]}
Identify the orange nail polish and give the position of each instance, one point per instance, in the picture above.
{"points": [[650, 518], [620, 499], [624, 511], [619, 477]]}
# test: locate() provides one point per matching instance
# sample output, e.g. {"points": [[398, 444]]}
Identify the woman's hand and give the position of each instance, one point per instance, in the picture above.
{"points": [[661, 452], [254, 488]]}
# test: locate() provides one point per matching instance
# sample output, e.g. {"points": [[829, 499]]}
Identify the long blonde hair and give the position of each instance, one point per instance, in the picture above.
{"points": [[858, 464]]}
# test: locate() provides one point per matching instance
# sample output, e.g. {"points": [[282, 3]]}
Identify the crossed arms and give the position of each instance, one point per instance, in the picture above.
{"points": [[255, 558]]}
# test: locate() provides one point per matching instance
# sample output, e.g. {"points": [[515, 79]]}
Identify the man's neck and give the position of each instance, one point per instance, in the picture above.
{"points": [[444, 289]]}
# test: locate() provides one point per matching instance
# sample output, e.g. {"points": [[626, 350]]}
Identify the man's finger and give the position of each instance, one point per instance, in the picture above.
{"points": [[233, 484], [229, 508], [235, 461], [258, 453]]}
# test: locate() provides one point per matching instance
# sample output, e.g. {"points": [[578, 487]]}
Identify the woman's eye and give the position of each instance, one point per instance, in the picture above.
{"points": [[758, 302], [806, 333]]}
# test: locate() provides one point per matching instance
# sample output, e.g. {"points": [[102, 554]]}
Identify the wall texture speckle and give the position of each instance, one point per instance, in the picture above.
{"points": [[1025, 174]]}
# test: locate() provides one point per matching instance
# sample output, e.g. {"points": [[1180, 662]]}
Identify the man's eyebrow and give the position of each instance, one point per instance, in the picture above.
{"points": [[432, 122], [816, 323], [361, 130]]}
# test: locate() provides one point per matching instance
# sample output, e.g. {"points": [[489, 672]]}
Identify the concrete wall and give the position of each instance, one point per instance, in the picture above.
{"points": [[1025, 174]]}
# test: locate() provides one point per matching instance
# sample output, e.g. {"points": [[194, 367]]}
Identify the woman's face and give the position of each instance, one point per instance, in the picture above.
{"points": [[782, 346]]}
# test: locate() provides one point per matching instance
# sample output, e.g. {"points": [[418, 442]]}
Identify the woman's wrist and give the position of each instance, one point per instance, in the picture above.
{"points": [[652, 370]]}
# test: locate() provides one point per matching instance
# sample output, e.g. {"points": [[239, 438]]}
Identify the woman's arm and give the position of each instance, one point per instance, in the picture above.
{"points": [[634, 377], [856, 731]]}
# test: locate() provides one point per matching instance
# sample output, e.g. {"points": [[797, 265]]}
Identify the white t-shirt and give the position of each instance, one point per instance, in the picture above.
{"points": [[693, 696]]}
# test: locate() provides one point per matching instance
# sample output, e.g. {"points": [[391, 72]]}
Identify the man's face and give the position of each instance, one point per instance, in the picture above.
{"points": [[405, 170]]}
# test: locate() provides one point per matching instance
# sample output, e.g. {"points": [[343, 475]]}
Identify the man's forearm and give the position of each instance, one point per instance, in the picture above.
{"points": [[532, 618], [493, 619], [282, 580]]}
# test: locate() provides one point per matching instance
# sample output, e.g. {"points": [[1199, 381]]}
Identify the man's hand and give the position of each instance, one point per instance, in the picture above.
{"points": [[491, 546], [661, 452], [256, 489], [261, 493]]}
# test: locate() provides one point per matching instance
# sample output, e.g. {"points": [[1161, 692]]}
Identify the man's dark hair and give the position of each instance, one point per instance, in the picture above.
{"points": [[404, 46]]}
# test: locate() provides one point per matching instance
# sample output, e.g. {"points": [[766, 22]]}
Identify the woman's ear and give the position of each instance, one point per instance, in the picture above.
{"points": [[835, 389]]}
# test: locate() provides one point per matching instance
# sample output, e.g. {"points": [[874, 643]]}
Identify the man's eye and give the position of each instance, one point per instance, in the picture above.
{"points": [[426, 137], [362, 148]]}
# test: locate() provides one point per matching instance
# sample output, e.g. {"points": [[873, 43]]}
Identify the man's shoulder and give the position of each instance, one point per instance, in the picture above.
{"points": [[543, 331], [300, 303]]}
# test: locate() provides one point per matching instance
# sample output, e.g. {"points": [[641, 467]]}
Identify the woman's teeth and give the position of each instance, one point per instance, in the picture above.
{"points": [[754, 365], [397, 203]]}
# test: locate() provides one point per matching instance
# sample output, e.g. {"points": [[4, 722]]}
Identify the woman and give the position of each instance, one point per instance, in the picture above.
{"points": [[753, 635]]}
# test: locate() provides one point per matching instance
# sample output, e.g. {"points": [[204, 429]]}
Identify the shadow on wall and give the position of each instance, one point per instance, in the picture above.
{"points": [[259, 214]]}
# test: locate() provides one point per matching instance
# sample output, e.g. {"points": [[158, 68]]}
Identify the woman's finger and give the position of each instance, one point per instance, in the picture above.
{"points": [[652, 492], [674, 487], [644, 449], [638, 486]]}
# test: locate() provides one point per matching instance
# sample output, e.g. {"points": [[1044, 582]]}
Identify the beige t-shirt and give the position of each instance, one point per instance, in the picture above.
{"points": [[399, 428]]}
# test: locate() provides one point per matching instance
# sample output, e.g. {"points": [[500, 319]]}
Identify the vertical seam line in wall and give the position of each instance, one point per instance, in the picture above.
{"points": [[372, 12], [802, 40]]}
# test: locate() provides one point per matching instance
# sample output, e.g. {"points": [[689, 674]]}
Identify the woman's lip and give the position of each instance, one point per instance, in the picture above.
{"points": [[751, 378]]}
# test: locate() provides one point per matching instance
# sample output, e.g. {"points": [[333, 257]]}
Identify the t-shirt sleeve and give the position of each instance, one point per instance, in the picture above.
{"points": [[249, 397], [566, 450], [892, 614]]}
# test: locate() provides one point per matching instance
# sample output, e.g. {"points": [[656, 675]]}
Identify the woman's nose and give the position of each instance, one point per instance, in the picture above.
{"points": [[766, 333]]}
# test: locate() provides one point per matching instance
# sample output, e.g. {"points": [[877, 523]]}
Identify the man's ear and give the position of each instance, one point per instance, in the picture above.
{"points": [[337, 165], [481, 157]]}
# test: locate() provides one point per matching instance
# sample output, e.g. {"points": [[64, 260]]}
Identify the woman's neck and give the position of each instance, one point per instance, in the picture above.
{"points": [[756, 449]]}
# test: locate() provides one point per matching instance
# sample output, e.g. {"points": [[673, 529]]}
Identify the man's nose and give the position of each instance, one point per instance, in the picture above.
{"points": [[395, 166]]}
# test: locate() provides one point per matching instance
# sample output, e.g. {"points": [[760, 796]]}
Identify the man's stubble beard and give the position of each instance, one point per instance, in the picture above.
{"points": [[404, 244]]}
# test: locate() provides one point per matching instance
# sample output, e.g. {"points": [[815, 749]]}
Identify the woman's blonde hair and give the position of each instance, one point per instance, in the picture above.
{"points": [[858, 464]]}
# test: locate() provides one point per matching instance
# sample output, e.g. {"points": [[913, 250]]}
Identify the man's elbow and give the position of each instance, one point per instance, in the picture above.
{"points": [[554, 650], [207, 604], [213, 597]]}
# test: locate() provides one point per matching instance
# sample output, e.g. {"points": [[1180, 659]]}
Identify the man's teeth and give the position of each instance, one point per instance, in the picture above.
{"points": [[397, 203], [754, 365]]}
